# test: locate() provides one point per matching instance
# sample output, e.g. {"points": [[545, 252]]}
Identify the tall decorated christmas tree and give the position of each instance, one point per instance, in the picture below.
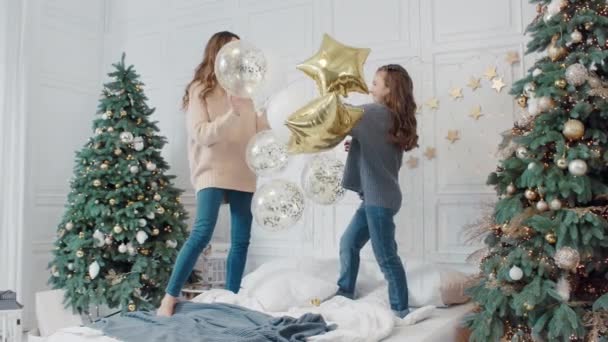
{"points": [[544, 272], [123, 224]]}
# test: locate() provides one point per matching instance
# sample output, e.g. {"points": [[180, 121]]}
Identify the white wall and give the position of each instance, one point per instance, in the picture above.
{"points": [[64, 68], [441, 42]]}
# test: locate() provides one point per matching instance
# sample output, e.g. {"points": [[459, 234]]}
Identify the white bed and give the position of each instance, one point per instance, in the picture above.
{"points": [[288, 287]]}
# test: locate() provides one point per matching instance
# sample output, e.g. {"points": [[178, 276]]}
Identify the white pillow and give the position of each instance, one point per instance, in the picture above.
{"points": [[291, 288], [260, 274]]}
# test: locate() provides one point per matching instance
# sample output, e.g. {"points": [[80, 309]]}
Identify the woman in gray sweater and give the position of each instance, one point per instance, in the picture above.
{"points": [[375, 154]]}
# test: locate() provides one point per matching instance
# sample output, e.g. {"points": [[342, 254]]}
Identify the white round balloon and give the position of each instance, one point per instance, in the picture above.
{"points": [[277, 205], [265, 154], [240, 68], [322, 179], [285, 103]]}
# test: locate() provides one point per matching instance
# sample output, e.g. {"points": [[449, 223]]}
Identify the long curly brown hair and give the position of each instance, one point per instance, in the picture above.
{"points": [[205, 72], [400, 101]]}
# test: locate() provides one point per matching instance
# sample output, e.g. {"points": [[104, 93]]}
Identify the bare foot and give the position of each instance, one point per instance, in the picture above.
{"points": [[167, 305]]}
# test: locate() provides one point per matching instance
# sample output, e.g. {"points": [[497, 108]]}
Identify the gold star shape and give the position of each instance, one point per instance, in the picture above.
{"points": [[490, 73], [321, 124], [512, 57], [433, 103], [337, 67], [476, 112], [430, 153], [456, 93], [412, 162], [474, 83], [453, 135], [498, 84]]}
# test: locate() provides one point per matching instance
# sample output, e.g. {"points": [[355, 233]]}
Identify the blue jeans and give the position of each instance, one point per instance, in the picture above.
{"points": [[376, 224], [208, 203]]}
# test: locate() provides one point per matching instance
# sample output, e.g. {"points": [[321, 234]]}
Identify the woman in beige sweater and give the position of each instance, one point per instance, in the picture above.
{"points": [[219, 127]]}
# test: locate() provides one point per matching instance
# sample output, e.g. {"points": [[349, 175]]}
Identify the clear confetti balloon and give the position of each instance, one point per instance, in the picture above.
{"points": [[265, 154], [322, 179], [240, 68], [277, 205]]}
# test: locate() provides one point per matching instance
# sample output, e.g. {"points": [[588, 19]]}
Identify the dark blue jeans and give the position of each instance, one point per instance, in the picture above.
{"points": [[376, 224], [208, 203]]}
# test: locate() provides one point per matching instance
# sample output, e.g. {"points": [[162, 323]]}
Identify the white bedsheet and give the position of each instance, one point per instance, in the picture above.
{"points": [[367, 319], [359, 321]]}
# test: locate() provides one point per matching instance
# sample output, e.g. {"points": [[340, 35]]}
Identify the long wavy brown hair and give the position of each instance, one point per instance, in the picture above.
{"points": [[400, 101], [205, 72]]}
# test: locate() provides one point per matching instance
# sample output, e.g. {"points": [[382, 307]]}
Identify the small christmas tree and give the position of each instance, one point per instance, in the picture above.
{"points": [[544, 272], [118, 239]]}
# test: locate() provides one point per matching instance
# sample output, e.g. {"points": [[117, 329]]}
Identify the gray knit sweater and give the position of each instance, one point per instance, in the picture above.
{"points": [[373, 163]]}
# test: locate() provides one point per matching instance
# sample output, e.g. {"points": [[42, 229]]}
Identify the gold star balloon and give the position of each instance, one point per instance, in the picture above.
{"points": [[321, 124], [337, 67]]}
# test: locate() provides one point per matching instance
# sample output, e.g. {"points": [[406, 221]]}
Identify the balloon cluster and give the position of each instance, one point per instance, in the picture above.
{"points": [[314, 126], [324, 122]]}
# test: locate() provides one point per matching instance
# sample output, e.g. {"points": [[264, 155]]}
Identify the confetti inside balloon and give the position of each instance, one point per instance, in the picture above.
{"points": [[265, 154], [277, 205], [322, 179], [240, 68]]}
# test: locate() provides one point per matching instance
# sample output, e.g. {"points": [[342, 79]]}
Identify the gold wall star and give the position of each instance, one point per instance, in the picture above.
{"points": [[512, 57], [476, 112], [474, 83], [456, 93], [412, 162], [430, 153], [490, 73], [433, 103], [498, 84], [453, 135]]}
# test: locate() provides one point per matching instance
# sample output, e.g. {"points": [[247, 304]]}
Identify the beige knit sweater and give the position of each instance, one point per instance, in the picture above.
{"points": [[217, 140]]}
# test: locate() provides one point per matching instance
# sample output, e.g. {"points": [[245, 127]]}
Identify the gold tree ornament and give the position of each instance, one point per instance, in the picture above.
{"points": [[551, 238], [321, 124], [522, 101], [561, 83], [574, 129], [556, 52], [337, 67]]}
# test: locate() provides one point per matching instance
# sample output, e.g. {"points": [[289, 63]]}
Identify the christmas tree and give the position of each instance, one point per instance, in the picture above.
{"points": [[544, 269], [123, 224]]}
